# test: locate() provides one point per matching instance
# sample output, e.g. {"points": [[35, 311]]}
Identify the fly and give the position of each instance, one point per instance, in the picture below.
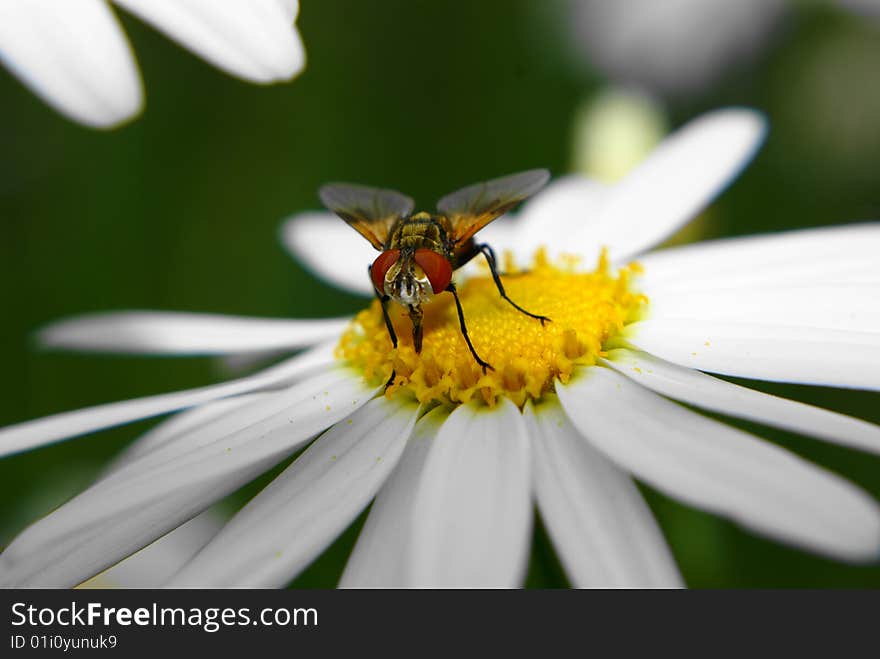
{"points": [[420, 251]]}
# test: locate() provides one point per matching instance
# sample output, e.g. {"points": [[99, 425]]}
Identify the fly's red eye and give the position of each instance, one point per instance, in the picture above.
{"points": [[380, 267], [437, 268]]}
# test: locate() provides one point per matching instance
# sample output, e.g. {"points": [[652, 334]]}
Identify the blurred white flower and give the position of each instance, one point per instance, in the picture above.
{"points": [[868, 8], [672, 47], [75, 55], [678, 48], [582, 405]]}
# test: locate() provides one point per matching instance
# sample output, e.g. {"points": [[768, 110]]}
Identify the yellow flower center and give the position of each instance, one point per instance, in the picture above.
{"points": [[587, 309]]}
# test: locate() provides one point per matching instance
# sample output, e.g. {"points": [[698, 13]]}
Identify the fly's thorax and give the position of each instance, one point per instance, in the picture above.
{"points": [[421, 231]]}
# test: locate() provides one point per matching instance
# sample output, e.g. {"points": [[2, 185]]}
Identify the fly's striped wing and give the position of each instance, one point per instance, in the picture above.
{"points": [[370, 211], [473, 207]]}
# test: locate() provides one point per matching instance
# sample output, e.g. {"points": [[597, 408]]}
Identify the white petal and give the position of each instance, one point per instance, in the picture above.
{"points": [[155, 563], [696, 388], [251, 39], [853, 307], [560, 217], [39, 432], [810, 257], [603, 530], [472, 512], [384, 545], [331, 249], [233, 363], [291, 521], [314, 404], [837, 358], [179, 333], [721, 469], [672, 185], [74, 56], [158, 491], [178, 425]]}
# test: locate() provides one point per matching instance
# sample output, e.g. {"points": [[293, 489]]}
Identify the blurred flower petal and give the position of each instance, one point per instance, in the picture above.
{"points": [[178, 333], [291, 7], [808, 355], [472, 512], [39, 432], [867, 8], [675, 47], [721, 469], [680, 177], [384, 545], [603, 530], [290, 522], [253, 39], [331, 249], [74, 55]]}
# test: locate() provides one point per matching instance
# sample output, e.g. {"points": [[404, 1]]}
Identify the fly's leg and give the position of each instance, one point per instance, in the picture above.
{"points": [[489, 253], [483, 365], [383, 300]]}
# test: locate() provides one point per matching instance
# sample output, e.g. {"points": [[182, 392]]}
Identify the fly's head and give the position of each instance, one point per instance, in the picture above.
{"points": [[411, 278]]}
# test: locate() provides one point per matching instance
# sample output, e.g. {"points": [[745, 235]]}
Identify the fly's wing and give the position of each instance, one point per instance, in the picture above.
{"points": [[473, 207], [370, 211]]}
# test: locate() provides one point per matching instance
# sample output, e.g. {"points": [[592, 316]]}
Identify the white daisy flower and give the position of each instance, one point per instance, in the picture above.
{"points": [[454, 459], [672, 48], [678, 48], [75, 56]]}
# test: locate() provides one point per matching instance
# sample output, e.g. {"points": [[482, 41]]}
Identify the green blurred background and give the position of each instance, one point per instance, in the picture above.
{"points": [[180, 210]]}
